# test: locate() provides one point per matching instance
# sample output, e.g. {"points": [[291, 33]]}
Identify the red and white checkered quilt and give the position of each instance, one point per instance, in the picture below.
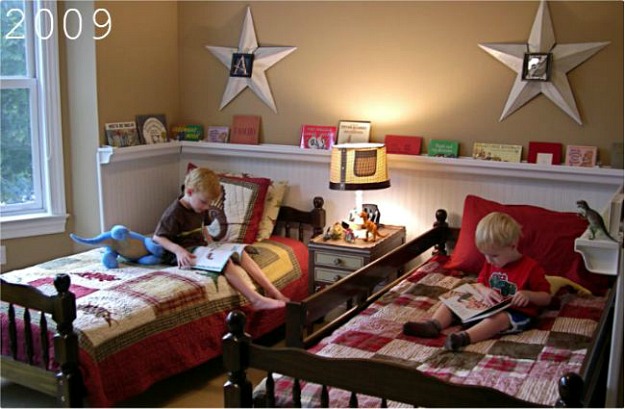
{"points": [[526, 365]]}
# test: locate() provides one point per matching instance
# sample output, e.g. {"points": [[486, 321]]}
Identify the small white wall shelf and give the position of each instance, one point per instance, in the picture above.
{"points": [[600, 255], [604, 256]]}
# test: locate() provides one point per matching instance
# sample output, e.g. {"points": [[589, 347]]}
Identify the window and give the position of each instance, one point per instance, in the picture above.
{"points": [[32, 193]]}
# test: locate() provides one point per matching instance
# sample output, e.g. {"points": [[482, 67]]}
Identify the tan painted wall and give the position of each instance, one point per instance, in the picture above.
{"points": [[138, 62], [409, 67]]}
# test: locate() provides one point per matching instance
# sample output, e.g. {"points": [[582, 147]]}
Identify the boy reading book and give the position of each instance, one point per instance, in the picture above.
{"points": [[181, 230], [505, 272], [468, 304]]}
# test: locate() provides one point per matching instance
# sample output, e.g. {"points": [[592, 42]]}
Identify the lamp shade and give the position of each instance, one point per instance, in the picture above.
{"points": [[359, 166]]}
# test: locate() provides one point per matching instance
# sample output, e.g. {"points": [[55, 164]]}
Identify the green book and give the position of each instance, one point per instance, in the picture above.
{"points": [[440, 147], [187, 133]]}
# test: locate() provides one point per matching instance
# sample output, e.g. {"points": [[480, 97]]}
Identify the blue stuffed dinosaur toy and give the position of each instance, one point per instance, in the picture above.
{"points": [[121, 241]]}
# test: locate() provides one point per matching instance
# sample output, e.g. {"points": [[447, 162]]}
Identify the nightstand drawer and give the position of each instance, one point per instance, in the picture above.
{"points": [[338, 260], [327, 275]]}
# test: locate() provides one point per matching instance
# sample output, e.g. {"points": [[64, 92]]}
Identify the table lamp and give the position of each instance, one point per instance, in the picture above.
{"points": [[358, 167]]}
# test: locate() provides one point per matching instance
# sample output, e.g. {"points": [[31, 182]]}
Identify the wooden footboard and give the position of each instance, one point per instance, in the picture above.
{"points": [[66, 383]]}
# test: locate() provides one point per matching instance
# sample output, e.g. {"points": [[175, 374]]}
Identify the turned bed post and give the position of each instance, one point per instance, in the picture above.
{"points": [[70, 386], [236, 344], [441, 221]]}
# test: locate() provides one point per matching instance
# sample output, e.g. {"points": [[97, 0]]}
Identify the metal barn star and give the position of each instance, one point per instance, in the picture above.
{"points": [[565, 57], [247, 64]]}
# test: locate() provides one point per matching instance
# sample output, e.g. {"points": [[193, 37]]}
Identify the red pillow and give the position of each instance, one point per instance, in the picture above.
{"points": [[548, 237]]}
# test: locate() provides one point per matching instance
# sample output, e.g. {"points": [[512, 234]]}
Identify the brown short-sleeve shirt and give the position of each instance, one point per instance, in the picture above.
{"points": [[182, 226]]}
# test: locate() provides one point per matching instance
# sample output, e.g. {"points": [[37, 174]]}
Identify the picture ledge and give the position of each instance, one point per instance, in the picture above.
{"points": [[421, 163]]}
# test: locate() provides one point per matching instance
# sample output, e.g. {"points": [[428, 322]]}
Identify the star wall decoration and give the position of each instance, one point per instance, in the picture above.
{"points": [[247, 64], [562, 58]]}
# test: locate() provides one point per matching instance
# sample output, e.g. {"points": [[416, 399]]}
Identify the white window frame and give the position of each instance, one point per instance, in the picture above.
{"points": [[46, 123]]}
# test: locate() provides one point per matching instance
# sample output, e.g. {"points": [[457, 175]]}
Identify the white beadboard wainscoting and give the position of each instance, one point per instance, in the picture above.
{"points": [[137, 183]]}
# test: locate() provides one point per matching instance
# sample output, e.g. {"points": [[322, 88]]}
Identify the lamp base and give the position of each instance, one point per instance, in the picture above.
{"points": [[354, 221], [373, 212]]}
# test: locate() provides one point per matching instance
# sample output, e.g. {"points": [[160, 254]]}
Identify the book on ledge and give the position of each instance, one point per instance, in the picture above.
{"points": [[214, 256], [469, 305]]}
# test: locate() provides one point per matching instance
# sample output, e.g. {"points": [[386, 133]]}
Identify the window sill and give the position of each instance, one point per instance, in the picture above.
{"points": [[32, 225]]}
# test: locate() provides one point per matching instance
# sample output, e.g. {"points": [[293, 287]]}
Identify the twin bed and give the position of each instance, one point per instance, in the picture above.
{"points": [[362, 358], [106, 335]]}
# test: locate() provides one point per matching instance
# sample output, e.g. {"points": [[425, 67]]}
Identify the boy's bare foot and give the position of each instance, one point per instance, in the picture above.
{"points": [[264, 303], [281, 297], [276, 295]]}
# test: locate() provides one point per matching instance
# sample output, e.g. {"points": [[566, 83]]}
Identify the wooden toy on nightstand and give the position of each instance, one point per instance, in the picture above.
{"points": [[331, 260]]}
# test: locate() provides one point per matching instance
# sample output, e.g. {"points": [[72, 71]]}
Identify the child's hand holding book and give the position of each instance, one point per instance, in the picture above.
{"points": [[491, 296]]}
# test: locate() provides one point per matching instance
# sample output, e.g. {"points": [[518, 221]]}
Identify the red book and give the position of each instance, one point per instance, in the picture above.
{"points": [[406, 145], [545, 153], [318, 137], [245, 129]]}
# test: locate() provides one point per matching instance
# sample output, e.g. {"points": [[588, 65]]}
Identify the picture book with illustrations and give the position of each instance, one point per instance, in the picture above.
{"points": [[121, 134], [189, 132], [152, 128], [218, 134], [214, 256], [317, 137], [469, 305]]}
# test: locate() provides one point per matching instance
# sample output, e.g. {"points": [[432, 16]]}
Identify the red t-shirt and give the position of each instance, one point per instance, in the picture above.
{"points": [[522, 274]]}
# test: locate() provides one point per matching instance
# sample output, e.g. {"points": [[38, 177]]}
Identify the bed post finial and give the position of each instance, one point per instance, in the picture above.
{"points": [[236, 344], [570, 388], [318, 216], [441, 222]]}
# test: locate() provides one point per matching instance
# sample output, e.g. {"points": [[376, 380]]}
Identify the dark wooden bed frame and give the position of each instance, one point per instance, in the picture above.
{"points": [[378, 378], [67, 383]]}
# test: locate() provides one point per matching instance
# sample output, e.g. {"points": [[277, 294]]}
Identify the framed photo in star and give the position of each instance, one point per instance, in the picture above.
{"points": [[536, 67]]}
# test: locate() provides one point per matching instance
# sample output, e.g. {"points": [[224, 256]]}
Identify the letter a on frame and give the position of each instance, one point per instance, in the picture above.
{"points": [[241, 65]]}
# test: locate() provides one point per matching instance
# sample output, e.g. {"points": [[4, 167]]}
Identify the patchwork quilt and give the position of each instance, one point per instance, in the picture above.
{"points": [[140, 324], [526, 365]]}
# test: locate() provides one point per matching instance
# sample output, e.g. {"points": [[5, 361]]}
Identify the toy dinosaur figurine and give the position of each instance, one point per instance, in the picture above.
{"points": [[370, 227], [595, 221], [121, 241]]}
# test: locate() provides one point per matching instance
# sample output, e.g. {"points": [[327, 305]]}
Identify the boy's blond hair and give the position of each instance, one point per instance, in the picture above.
{"points": [[204, 181], [497, 229]]}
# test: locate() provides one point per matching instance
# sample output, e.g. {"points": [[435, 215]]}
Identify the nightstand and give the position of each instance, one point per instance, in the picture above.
{"points": [[332, 260]]}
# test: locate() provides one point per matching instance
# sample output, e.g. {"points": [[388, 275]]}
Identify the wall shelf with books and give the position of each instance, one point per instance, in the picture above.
{"points": [[421, 163]]}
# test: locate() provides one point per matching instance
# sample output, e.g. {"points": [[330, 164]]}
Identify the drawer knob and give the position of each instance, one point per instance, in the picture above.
{"points": [[338, 261], [337, 278]]}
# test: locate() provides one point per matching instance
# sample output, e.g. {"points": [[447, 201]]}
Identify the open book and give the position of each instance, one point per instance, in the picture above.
{"points": [[469, 305], [214, 256]]}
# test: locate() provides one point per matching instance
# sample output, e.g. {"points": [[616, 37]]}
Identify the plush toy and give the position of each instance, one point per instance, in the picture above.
{"points": [[121, 241]]}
